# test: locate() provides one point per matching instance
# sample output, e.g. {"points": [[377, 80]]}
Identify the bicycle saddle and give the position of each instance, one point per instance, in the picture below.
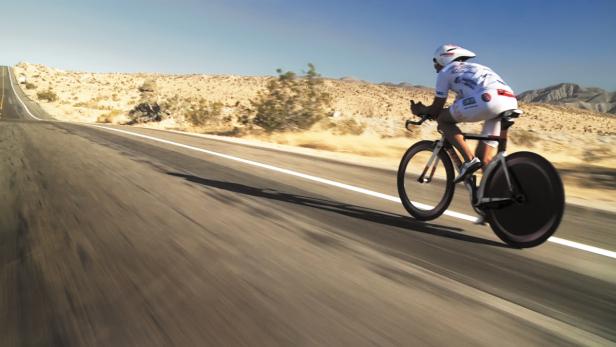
{"points": [[515, 113]]}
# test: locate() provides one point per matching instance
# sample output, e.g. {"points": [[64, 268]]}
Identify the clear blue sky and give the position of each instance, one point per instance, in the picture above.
{"points": [[531, 44]]}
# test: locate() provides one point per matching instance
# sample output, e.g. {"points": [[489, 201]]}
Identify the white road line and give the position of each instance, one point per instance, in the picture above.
{"points": [[583, 247], [392, 198], [17, 95]]}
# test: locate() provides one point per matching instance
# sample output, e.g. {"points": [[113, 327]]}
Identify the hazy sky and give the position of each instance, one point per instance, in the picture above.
{"points": [[531, 44]]}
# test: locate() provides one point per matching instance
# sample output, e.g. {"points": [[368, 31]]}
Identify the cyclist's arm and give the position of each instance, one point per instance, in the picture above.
{"points": [[436, 107], [441, 92]]}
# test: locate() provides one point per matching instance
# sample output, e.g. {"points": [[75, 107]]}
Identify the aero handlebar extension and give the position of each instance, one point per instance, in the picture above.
{"points": [[409, 122]]}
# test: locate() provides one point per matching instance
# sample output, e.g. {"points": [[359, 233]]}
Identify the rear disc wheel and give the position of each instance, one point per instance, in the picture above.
{"points": [[539, 203]]}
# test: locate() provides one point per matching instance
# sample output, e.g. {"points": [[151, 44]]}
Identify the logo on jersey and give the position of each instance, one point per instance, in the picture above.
{"points": [[486, 97], [505, 93], [469, 101]]}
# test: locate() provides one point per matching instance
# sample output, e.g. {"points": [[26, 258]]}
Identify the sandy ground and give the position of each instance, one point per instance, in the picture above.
{"points": [[580, 143]]}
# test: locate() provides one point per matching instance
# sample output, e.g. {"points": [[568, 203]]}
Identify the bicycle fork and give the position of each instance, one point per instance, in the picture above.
{"points": [[431, 164]]}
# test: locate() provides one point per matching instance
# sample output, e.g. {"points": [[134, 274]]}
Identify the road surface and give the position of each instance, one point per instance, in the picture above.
{"points": [[112, 238]]}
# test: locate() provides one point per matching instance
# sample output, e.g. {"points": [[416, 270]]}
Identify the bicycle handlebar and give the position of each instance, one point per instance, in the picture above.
{"points": [[424, 117]]}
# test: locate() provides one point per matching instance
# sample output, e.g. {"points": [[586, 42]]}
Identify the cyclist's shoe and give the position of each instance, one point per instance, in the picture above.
{"points": [[467, 169]]}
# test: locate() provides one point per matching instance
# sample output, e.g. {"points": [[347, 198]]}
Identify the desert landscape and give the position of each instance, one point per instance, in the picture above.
{"points": [[364, 121]]}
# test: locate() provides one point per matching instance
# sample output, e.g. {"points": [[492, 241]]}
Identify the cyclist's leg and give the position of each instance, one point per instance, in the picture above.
{"points": [[453, 134], [492, 107], [487, 149]]}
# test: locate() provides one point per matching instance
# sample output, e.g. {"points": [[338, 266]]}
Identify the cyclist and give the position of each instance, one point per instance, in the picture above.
{"points": [[481, 95]]}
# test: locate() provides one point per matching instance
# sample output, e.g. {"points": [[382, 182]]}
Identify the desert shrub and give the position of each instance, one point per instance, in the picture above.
{"points": [[148, 86], [146, 112], [349, 126], [48, 95], [204, 112], [524, 137], [148, 92], [108, 117], [30, 85], [148, 109], [175, 104], [291, 103], [244, 119]]}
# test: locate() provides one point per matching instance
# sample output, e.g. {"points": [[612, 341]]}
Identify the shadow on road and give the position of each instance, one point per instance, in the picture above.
{"points": [[358, 212]]}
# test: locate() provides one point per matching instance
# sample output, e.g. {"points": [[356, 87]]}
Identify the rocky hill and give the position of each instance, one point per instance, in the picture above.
{"points": [[572, 95]]}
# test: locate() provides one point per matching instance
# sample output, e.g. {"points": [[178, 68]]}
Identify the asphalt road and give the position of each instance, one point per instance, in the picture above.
{"points": [[112, 239]]}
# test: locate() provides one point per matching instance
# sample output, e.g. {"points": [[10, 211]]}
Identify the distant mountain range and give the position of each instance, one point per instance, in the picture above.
{"points": [[569, 94]]}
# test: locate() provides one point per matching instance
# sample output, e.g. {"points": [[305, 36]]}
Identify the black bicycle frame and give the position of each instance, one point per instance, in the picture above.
{"points": [[481, 201]]}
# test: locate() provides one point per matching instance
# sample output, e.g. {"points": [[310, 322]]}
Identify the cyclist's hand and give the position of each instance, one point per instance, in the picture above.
{"points": [[418, 108]]}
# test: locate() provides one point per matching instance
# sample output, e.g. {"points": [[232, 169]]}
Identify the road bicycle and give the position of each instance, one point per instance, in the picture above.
{"points": [[520, 195]]}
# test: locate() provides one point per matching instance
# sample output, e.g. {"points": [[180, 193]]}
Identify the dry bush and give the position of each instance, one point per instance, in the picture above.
{"points": [[291, 103], [175, 105], [30, 85], [48, 95], [148, 108], [149, 91], [148, 85], [146, 112], [204, 112]]}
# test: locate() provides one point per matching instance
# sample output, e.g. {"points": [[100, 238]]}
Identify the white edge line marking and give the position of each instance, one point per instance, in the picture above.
{"points": [[583, 247], [17, 95], [454, 214]]}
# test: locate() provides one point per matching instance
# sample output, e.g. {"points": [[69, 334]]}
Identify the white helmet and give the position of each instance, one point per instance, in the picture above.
{"points": [[445, 54]]}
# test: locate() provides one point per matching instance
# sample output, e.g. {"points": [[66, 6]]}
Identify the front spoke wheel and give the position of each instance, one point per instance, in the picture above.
{"points": [[425, 181]]}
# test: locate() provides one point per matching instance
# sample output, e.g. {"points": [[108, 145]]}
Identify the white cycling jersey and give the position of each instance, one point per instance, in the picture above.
{"points": [[466, 79], [480, 95]]}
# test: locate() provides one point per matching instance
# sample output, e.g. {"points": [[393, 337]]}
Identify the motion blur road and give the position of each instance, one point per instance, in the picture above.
{"points": [[112, 239]]}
